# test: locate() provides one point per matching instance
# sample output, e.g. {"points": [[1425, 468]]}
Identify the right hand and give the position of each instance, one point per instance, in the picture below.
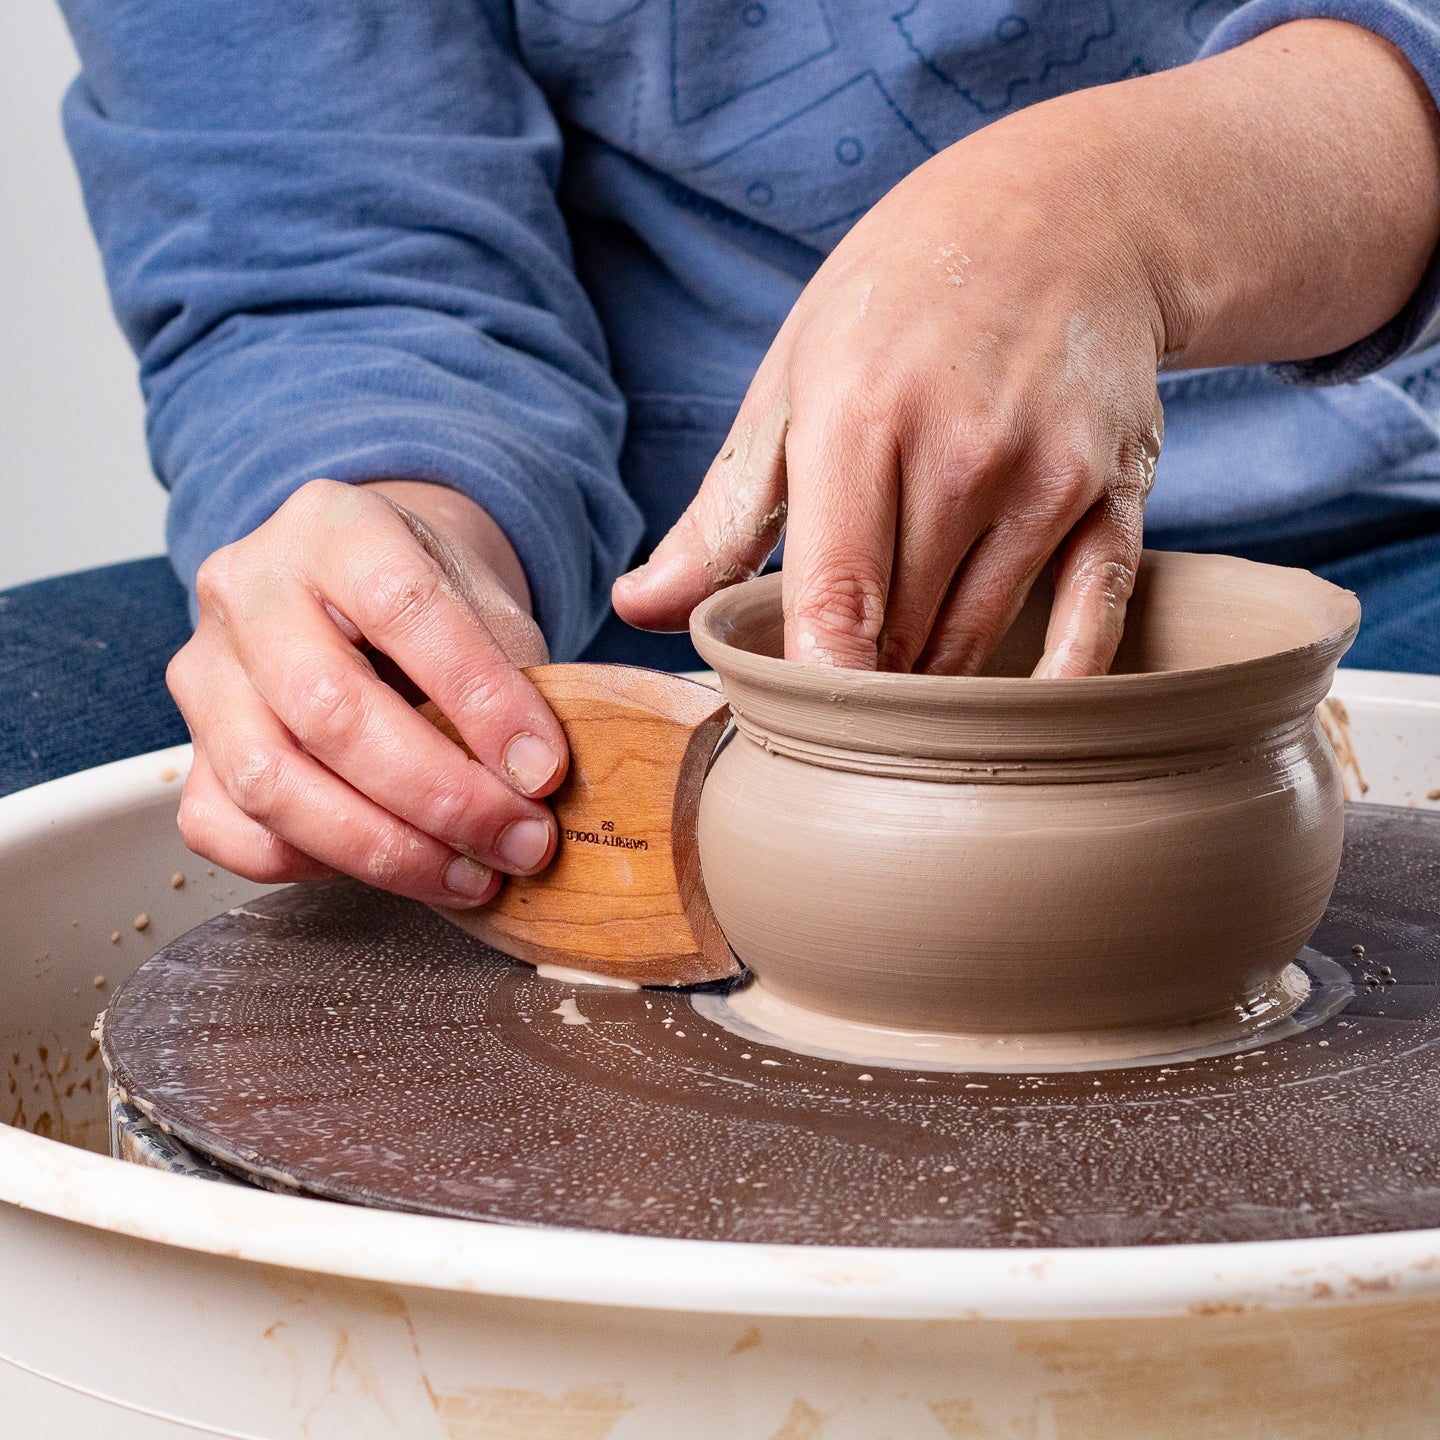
{"points": [[306, 762]]}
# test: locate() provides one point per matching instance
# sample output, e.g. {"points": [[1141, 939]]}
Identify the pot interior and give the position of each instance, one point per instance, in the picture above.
{"points": [[1188, 612]]}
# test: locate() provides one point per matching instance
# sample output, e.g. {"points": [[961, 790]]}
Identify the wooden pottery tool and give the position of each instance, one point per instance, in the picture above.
{"points": [[623, 896]]}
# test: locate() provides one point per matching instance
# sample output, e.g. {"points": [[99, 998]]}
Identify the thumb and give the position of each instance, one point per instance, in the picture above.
{"points": [[728, 531]]}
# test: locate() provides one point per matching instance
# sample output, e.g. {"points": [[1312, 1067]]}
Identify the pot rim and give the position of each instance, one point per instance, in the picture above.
{"points": [[1013, 718]]}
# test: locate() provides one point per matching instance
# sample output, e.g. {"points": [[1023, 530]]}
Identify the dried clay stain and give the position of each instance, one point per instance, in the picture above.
{"points": [[750, 1339], [50, 1094], [1310, 1378], [358, 1375], [957, 1418], [494, 1413], [802, 1422]]}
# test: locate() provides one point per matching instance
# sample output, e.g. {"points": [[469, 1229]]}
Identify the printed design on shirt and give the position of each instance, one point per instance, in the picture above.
{"points": [[822, 167], [587, 61], [722, 49], [1026, 42], [1204, 15], [591, 12]]}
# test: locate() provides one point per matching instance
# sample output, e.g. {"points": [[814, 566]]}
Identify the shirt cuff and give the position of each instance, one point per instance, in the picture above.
{"points": [[1416, 34], [541, 473]]}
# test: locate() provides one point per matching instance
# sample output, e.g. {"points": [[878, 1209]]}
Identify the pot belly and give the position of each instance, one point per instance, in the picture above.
{"points": [[1022, 907]]}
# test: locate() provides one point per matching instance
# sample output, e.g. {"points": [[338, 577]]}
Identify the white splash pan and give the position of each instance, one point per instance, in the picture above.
{"points": [[139, 1304]]}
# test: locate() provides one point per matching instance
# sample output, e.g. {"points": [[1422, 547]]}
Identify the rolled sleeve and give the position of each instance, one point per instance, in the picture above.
{"points": [[1414, 29], [332, 237]]}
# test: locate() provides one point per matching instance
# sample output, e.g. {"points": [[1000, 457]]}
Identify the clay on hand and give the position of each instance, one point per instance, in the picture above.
{"points": [[306, 761], [963, 396]]}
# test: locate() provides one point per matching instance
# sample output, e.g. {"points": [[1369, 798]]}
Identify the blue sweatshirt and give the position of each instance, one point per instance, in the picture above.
{"points": [[464, 240]]}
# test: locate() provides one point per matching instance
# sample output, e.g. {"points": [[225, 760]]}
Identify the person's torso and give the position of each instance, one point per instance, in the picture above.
{"points": [[717, 150]]}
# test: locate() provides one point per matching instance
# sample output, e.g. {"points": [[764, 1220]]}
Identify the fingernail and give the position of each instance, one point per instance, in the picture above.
{"points": [[658, 574], [530, 763], [468, 879], [522, 846]]}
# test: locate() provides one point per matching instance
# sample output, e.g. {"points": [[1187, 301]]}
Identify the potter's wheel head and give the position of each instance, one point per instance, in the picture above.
{"points": [[350, 1045]]}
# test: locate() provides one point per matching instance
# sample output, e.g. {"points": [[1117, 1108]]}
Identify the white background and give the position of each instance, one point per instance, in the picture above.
{"points": [[75, 484]]}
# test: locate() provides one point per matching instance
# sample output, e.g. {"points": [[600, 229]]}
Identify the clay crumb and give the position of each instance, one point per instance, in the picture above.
{"points": [[748, 1341], [114, 937], [177, 881], [1385, 970], [100, 982], [210, 871], [1357, 949], [1216, 1307], [570, 1013], [1432, 794], [142, 921]]}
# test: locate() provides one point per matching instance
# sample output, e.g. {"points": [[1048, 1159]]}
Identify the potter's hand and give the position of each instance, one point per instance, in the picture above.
{"points": [[306, 761], [966, 389]]}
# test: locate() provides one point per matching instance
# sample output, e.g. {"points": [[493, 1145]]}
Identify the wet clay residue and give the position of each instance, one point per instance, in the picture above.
{"points": [[1307, 994], [1143, 850], [1335, 722], [802, 1422], [368, 1051]]}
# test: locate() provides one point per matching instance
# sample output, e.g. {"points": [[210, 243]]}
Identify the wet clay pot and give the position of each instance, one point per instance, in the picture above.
{"points": [[1146, 849]]}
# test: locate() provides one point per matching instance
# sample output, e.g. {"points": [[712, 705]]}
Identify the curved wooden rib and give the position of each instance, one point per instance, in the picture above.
{"points": [[623, 896]]}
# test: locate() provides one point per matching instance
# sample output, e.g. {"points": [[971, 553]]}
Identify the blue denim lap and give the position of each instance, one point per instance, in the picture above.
{"points": [[82, 657], [1399, 590], [82, 670]]}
